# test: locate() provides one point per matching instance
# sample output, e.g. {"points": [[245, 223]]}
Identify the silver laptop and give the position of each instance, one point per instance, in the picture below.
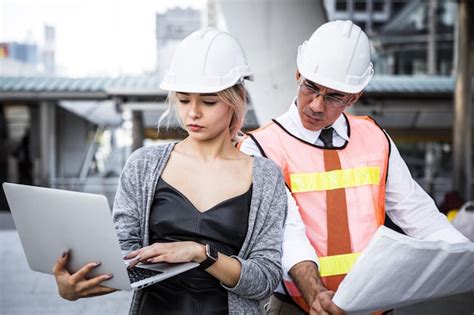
{"points": [[50, 221]]}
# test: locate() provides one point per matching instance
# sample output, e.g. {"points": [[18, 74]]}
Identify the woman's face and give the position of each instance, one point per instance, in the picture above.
{"points": [[204, 116]]}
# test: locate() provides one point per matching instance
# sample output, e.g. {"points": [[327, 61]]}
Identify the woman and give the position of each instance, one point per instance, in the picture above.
{"points": [[180, 202]]}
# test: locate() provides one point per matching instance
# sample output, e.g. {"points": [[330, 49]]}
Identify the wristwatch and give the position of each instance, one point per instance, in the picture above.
{"points": [[211, 255]]}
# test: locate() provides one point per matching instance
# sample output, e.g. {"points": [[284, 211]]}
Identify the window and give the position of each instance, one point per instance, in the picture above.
{"points": [[376, 26], [341, 5], [362, 25], [360, 5], [379, 5]]}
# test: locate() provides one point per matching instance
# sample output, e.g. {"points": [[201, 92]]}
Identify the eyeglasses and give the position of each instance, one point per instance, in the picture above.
{"points": [[328, 99]]}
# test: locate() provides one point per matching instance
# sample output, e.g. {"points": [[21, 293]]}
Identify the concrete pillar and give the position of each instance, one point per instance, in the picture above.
{"points": [[211, 13], [4, 151], [432, 27], [370, 13], [432, 165], [350, 9], [462, 129], [48, 140], [138, 129]]}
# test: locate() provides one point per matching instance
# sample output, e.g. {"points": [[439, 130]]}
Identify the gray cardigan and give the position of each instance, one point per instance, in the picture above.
{"points": [[260, 255]]}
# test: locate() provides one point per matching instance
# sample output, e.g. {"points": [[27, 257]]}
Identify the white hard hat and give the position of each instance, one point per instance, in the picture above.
{"points": [[206, 61], [337, 56]]}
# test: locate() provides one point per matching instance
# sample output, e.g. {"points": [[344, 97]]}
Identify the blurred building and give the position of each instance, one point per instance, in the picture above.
{"points": [[419, 39], [409, 37], [171, 27], [24, 52], [52, 129], [65, 131], [48, 55], [412, 39], [18, 58], [270, 33], [29, 58], [370, 15]]}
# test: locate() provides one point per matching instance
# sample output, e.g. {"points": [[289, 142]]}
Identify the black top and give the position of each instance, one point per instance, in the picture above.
{"points": [[174, 218]]}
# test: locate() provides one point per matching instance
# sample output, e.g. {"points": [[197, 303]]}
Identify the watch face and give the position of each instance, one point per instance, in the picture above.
{"points": [[211, 252]]}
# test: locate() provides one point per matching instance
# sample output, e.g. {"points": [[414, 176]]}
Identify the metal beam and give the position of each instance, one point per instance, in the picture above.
{"points": [[415, 135], [143, 106], [393, 39], [432, 26], [22, 96], [51, 96]]}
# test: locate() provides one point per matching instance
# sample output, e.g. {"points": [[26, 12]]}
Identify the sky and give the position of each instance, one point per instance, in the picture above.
{"points": [[93, 37]]}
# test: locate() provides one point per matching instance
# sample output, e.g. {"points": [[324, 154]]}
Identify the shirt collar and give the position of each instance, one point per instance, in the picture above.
{"points": [[340, 126]]}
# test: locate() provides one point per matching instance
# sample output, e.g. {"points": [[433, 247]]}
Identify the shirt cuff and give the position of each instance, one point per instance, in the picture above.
{"points": [[294, 253]]}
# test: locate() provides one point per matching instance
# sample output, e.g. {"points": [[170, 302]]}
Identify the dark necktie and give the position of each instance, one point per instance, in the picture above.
{"points": [[326, 137]]}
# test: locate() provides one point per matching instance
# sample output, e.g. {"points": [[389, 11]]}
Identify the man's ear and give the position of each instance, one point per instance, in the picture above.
{"points": [[298, 75], [354, 98]]}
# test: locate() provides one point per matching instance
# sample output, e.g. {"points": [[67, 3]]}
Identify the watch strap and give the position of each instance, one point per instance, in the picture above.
{"points": [[212, 256]]}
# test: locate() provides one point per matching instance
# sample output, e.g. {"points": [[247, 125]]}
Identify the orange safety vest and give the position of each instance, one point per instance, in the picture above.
{"points": [[364, 165]]}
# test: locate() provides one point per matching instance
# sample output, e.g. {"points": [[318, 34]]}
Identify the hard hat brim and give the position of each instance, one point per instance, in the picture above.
{"points": [[325, 81], [202, 88]]}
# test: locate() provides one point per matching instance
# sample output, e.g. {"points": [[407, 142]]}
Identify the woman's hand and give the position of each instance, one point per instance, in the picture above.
{"points": [[74, 286], [174, 252], [226, 269]]}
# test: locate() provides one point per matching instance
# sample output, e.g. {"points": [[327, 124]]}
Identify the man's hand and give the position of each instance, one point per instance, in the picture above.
{"points": [[323, 305], [305, 275]]}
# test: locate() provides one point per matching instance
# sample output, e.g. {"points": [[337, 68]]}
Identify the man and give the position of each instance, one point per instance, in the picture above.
{"points": [[343, 173]]}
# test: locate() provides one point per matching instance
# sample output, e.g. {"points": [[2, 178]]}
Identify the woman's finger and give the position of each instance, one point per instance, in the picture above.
{"points": [[94, 282], [81, 273], [96, 291], [132, 254], [60, 265], [156, 259], [132, 263], [147, 255], [151, 260], [149, 252]]}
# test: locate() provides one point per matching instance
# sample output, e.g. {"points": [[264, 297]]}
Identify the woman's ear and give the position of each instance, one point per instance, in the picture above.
{"points": [[298, 75]]}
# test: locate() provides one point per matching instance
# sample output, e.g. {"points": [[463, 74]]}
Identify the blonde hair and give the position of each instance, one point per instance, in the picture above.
{"points": [[234, 97]]}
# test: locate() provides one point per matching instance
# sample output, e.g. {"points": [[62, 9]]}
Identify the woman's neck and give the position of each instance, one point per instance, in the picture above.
{"points": [[209, 150]]}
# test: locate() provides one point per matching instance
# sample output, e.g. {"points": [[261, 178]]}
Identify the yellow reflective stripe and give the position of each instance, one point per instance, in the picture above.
{"points": [[337, 264], [452, 214], [359, 176]]}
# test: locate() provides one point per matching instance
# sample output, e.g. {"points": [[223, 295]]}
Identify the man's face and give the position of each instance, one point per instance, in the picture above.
{"points": [[319, 106]]}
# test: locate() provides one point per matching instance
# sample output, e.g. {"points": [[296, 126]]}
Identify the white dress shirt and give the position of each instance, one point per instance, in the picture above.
{"points": [[406, 203]]}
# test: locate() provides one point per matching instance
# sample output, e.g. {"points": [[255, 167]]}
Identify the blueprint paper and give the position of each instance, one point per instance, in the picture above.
{"points": [[396, 270]]}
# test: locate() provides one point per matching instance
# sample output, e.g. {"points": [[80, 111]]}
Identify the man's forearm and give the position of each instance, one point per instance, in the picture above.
{"points": [[306, 277]]}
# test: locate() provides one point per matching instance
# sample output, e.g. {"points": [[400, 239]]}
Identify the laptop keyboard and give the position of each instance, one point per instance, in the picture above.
{"points": [[136, 274]]}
